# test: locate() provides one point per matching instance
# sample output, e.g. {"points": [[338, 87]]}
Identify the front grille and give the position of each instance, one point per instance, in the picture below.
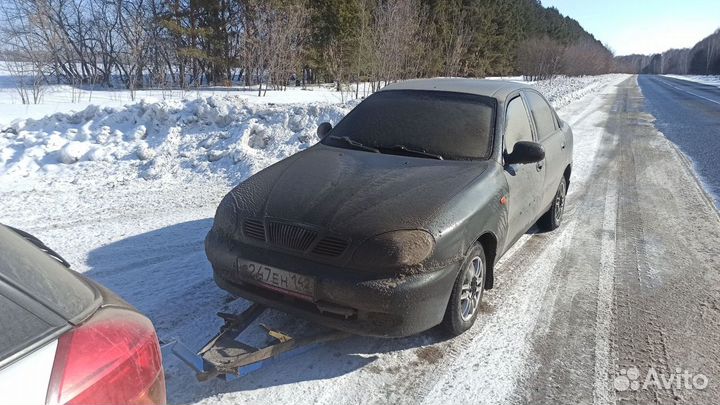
{"points": [[290, 236], [330, 246], [252, 228]]}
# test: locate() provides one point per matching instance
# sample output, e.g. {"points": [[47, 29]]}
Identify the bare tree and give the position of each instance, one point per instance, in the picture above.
{"points": [[453, 40], [540, 58], [25, 57], [133, 22], [288, 34], [273, 40], [586, 58], [29, 79], [395, 31]]}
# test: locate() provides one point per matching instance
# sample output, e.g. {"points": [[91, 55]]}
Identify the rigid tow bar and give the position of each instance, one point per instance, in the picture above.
{"points": [[227, 358]]}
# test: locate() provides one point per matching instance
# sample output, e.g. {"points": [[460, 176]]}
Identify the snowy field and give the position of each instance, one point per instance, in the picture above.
{"points": [[704, 79], [126, 193]]}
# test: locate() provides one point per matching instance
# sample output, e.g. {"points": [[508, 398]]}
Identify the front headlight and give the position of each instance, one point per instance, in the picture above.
{"points": [[394, 249]]}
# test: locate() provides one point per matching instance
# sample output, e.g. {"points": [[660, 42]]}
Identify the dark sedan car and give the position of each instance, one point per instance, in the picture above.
{"points": [[65, 339], [393, 222]]}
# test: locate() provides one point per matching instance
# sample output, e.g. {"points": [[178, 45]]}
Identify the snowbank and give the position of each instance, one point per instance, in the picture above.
{"points": [[225, 135], [562, 90], [68, 99], [213, 134]]}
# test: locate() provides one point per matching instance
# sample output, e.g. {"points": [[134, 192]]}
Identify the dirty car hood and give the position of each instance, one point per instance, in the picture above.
{"points": [[354, 193]]}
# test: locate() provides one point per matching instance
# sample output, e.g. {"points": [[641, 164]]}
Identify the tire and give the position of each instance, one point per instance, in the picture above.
{"points": [[463, 309], [552, 219]]}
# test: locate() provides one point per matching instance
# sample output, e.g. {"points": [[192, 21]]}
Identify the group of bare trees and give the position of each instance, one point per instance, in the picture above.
{"points": [[153, 43], [78, 42], [185, 44], [542, 58]]}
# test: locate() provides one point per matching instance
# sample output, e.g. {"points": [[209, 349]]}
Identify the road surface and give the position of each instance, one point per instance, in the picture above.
{"points": [[621, 304], [638, 288], [687, 114]]}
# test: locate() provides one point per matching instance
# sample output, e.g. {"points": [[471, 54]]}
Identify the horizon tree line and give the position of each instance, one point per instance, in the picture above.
{"points": [[186, 44]]}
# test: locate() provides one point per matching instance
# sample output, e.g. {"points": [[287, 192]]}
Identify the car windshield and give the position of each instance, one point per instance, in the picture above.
{"points": [[433, 124]]}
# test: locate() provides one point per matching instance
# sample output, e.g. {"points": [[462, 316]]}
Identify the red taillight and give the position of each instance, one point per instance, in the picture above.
{"points": [[113, 358]]}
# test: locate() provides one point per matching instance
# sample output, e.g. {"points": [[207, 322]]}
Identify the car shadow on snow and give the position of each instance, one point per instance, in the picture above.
{"points": [[165, 274]]}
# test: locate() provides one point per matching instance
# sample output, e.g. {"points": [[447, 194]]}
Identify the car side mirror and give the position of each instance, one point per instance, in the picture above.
{"points": [[525, 152], [324, 129]]}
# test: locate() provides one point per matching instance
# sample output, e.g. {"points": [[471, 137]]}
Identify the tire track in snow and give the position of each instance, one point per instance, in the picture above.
{"points": [[604, 392]]}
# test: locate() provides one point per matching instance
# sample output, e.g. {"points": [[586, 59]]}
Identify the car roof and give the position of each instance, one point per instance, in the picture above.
{"points": [[498, 89]]}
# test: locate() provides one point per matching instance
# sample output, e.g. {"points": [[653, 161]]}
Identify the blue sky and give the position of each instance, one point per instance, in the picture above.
{"points": [[643, 26]]}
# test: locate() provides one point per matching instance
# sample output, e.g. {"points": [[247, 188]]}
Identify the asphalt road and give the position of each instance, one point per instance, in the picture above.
{"points": [[635, 298], [688, 113]]}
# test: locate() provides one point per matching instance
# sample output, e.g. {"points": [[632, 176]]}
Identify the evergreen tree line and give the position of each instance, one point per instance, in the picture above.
{"points": [[189, 43], [702, 59]]}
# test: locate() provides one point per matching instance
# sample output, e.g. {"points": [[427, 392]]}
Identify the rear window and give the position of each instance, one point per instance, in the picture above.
{"points": [[20, 327], [42, 277], [453, 125]]}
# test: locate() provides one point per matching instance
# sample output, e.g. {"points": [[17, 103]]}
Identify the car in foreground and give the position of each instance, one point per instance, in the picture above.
{"points": [[393, 222], [67, 340]]}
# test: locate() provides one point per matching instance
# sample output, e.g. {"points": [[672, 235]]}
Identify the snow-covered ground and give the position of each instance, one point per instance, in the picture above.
{"points": [[704, 79], [178, 138], [127, 193]]}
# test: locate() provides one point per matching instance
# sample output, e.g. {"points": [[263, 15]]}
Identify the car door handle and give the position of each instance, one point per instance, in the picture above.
{"points": [[562, 146], [540, 166]]}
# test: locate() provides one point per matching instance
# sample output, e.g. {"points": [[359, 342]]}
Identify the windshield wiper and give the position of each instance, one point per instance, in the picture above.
{"points": [[403, 148], [354, 143]]}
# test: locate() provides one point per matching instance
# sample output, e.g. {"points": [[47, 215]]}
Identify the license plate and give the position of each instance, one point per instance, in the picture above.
{"points": [[277, 279]]}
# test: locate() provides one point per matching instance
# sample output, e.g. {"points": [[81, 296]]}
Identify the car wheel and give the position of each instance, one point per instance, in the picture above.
{"points": [[552, 219], [464, 304]]}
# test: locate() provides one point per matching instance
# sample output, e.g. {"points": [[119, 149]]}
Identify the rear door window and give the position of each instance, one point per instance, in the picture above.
{"points": [[542, 114], [517, 126], [20, 327]]}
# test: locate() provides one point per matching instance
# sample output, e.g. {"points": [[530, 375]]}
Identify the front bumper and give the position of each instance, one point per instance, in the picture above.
{"points": [[344, 300]]}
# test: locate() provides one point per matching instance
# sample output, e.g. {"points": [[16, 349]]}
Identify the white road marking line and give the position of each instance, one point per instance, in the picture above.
{"points": [[604, 391], [690, 92]]}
